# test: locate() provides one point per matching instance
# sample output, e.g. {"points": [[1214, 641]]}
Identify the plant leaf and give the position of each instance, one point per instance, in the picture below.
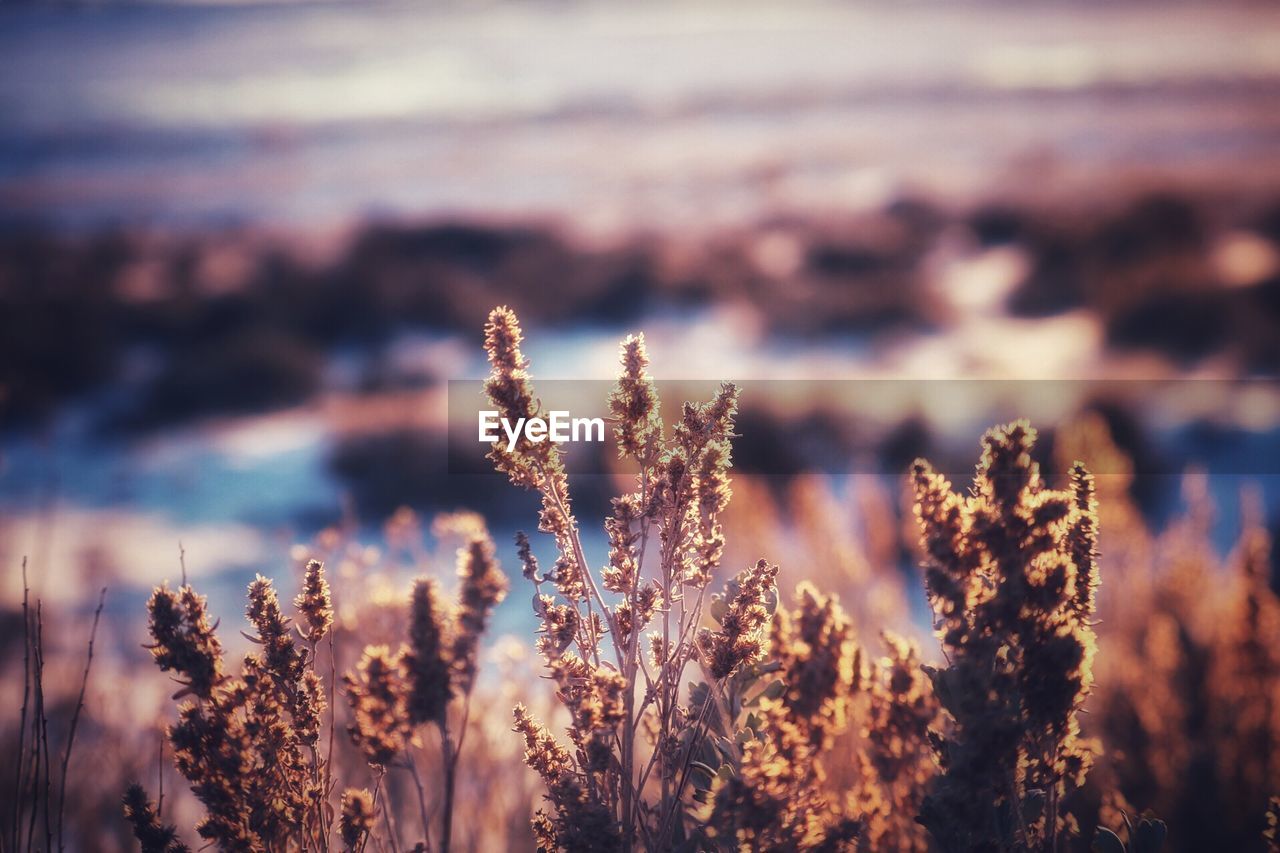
{"points": [[1106, 841]]}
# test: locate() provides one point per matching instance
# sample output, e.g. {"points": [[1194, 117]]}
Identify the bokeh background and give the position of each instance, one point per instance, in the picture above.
{"points": [[244, 248]]}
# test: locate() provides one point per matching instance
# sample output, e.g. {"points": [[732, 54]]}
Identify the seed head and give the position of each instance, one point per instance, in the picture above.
{"points": [[154, 836], [357, 816], [528, 562], [483, 588], [815, 649], [634, 403], [425, 662], [314, 602], [184, 639], [281, 656], [750, 601], [1011, 575], [381, 722]]}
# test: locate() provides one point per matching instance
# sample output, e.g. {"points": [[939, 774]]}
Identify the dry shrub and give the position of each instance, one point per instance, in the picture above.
{"points": [[686, 719], [1188, 674], [250, 744], [1011, 577]]}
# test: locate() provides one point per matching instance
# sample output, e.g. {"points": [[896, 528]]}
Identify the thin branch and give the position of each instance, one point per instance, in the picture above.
{"points": [[667, 826], [160, 777], [377, 793], [328, 761], [422, 797], [44, 727], [450, 778], [75, 717], [388, 820], [580, 556], [22, 725]]}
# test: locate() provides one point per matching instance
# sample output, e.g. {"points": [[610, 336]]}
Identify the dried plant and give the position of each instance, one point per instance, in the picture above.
{"points": [[393, 694], [684, 719], [33, 812], [356, 820], [732, 762], [1011, 577], [666, 543], [893, 756], [245, 743], [768, 792], [252, 745], [1245, 679], [1187, 683], [143, 816]]}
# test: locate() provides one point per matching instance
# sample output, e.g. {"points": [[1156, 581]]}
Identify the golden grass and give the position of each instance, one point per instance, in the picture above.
{"points": [[1083, 670]]}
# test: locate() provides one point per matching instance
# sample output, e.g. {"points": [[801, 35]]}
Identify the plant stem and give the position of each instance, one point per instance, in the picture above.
{"points": [[22, 725], [44, 727], [75, 718], [422, 798], [450, 776]]}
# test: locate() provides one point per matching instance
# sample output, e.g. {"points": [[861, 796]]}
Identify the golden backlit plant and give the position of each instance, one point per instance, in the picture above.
{"points": [[745, 719], [247, 743], [1011, 577], [250, 744], [393, 694], [607, 790]]}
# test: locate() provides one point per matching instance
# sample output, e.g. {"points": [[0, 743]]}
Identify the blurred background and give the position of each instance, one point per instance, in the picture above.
{"points": [[244, 247]]}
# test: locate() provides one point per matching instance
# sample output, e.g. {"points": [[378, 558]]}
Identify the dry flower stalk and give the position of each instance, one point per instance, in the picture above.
{"points": [[719, 767], [392, 694], [246, 743], [152, 835], [665, 543]]}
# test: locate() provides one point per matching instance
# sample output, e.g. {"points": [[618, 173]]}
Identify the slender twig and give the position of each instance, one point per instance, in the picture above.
{"points": [[44, 727], [377, 793], [463, 725], [422, 796], [160, 777], [389, 820], [323, 840], [450, 778], [580, 556], [648, 700], [75, 718], [1053, 816], [33, 784], [668, 822], [629, 791], [328, 763], [1024, 834], [664, 672], [22, 725]]}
